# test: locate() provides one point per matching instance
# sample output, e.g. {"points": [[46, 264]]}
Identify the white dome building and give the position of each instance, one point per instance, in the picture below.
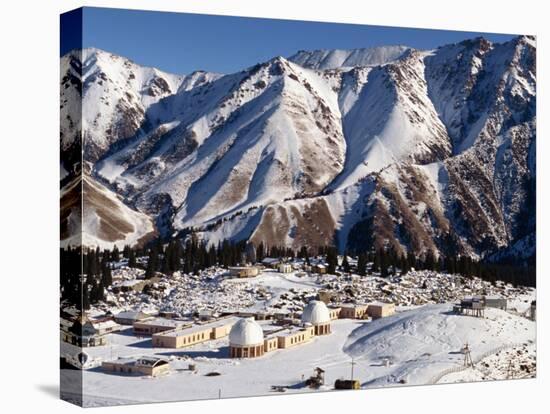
{"points": [[317, 314], [246, 339]]}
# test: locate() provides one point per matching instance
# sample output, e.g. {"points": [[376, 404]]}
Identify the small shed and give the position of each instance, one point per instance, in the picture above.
{"points": [[497, 302], [243, 271], [284, 268], [342, 384]]}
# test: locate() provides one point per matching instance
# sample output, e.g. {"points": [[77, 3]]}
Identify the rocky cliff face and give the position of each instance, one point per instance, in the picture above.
{"points": [[386, 147]]}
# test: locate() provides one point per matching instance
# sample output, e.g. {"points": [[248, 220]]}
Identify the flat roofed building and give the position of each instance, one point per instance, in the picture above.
{"points": [[471, 305], [334, 312], [85, 332], [380, 310], [319, 268], [353, 311], [83, 341], [156, 325], [146, 365], [295, 336], [243, 271], [101, 326], [195, 334], [271, 344]]}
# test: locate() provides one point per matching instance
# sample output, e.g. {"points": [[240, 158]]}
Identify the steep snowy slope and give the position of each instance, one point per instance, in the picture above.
{"points": [[418, 351], [392, 147], [116, 94], [392, 120], [338, 58], [252, 138], [492, 177], [106, 222]]}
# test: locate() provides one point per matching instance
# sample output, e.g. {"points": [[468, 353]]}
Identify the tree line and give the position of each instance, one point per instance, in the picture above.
{"points": [[85, 274]]}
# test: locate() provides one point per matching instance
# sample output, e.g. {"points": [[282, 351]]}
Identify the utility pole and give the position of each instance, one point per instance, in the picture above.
{"points": [[352, 365], [467, 356]]}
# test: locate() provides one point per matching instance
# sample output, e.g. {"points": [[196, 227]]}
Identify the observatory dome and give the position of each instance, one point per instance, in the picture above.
{"points": [[246, 332], [316, 312]]}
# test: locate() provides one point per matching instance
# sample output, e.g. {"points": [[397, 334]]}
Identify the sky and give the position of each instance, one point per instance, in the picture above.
{"points": [[182, 43]]}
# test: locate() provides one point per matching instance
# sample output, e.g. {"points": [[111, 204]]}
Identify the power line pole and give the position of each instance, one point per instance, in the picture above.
{"points": [[467, 356]]}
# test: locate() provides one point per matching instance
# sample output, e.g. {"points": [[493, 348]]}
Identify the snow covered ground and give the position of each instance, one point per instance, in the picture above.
{"points": [[271, 291], [409, 348]]}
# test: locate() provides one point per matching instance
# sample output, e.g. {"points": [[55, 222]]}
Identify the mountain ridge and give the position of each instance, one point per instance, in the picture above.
{"points": [[259, 154]]}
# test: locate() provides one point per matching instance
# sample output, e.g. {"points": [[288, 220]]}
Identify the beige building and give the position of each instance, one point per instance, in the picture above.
{"points": [[284, 268], [192, 335], [380, 310], [319, 268], [271, 344], [353, 311], [243, 271], [334, 312], [317, 314], [86, 332], [156, 325], [146, 365], [295, 336], [246, 339]]}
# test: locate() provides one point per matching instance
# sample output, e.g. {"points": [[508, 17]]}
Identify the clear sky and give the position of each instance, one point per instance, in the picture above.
{"points": [[182, 43]]}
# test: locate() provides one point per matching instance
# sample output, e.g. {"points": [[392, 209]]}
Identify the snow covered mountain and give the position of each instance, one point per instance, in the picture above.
{"points": [[391, 146], [338, 58], [116, 95]]}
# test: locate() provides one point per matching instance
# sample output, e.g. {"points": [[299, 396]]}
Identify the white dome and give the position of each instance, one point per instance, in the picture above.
{"points": [[316, 312], [246, 332]]}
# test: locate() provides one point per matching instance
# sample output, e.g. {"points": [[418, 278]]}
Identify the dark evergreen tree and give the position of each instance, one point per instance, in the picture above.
{"points": [[332, 260], [115, 255], [429, 261], [260, 252], [362, 264], [131, 258], [404, 265], [106, 275], [345, 264]]}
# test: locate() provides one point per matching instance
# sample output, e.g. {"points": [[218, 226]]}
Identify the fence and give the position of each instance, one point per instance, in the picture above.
{"points": [[460, 368]]}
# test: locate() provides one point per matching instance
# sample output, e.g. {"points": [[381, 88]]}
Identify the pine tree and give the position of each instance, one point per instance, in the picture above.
{"points": [[404, 265], [106, 275], [152, 263], [429, 261], [260, 252], [362, 264], [345, 264], [332, 260], [411, 260], [131, 258], [115, 255], [383, 258]]}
